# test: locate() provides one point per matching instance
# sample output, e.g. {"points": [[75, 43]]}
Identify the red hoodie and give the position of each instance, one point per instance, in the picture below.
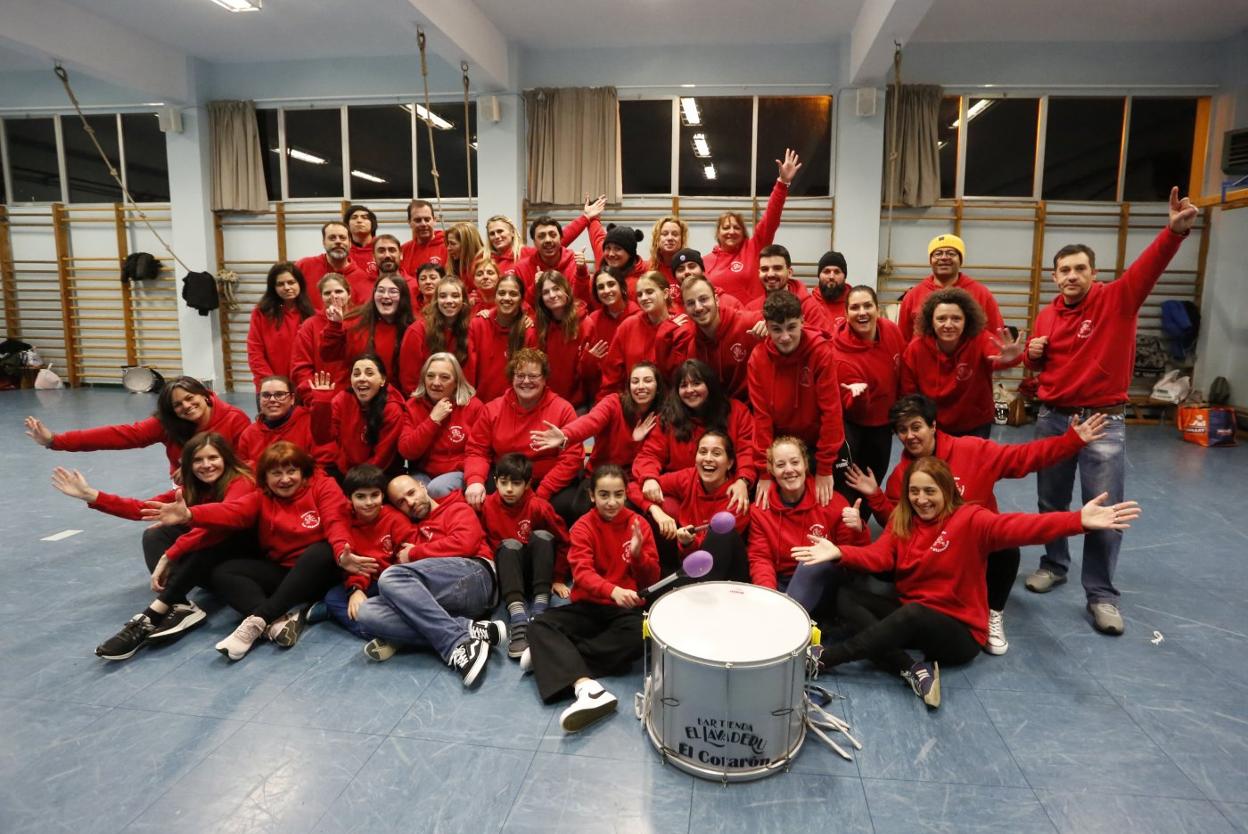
{"points": [[877, 363], [451, 529], [611, 430], [1091, 351], [798, 394], [296, 428], [736, 273], [196, 538], [943, 565], [834, 310], [415, 255], [270, 343], [305, 359], [959, 383], [338, 419], [488, 355], [662, 452], [316, 267], [227, 420], [912, 303], [343, 341], [978, 464], [814, 314], [666, 344], [362, 257], [377, 539], [528, 268], [729, 352], [505, 427], [696, 504], [414, 351], [600, 326], [775, 531], [564, 355], [285, 527], [437, 448], [601, 556], [518, 521]]}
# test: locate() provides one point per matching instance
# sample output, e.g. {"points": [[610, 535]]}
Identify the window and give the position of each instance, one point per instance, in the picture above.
{"points": [[147, 163], [947, 144], [89, 180], [646, 146], [314, 153], [1082, 145], [1001, 147], [803, 123], [1159, 147], [381, 151], [269, 144], [448, 144], [720, 166], [32, 160]]}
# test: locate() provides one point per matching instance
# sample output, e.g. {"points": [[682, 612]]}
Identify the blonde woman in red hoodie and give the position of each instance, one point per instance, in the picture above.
{"points": [[440, 415], [937, 549]]}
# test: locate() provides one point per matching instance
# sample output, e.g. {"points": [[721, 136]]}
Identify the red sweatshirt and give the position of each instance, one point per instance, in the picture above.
{"points": [[834, 310], [736, 273], [696, 503], [912, 303], [378, 539], [227, 420], [437, 448], [504, 427], [305, 358], [285, 527], [506, 262], [1091, 349], [775, 531], [338, 419], [640, 340], [943, 564], [362, 257], [662, 452], [798, 394], [601, 556], [978, 464], [600, 326], [528, 268], [343, 341], [565, 357], [196, 538], [729, 352], [959, 383], [414, 254], [877, 363], [611, 430], [488, 355], [814, 314], [518, 521], [296, 428], [414, 350], [270, 343], [316, 267], [450, 529]]}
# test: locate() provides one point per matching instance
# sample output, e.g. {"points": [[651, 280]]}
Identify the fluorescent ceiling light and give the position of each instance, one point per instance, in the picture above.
{"points": [[239, 5], [709, 172], [425, 116], [701, 148], [976, 108], [688, 86], [689, 112], [364, 175], [302, 156]]}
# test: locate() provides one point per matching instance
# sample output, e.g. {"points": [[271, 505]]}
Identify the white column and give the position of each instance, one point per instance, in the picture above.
{"points": [[859, 169], [501, 157]]}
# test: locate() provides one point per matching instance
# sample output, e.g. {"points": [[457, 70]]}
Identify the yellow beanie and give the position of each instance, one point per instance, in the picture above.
{"points": [[951, 241]]}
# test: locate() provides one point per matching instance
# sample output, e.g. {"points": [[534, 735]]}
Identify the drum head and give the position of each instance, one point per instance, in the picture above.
{"points": [[729, 622]]}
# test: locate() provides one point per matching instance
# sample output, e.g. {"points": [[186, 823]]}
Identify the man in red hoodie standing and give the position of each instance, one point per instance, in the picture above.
{"points": [[833, 274], [428, 245], [362, 222], [793, 390], [724, 338], [336, 239], [945, 253], [775, 272], [1083, 348]]}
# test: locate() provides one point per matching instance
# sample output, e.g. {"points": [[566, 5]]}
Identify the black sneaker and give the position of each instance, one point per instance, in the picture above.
{"points": [[924, 679], [519, 640], [178, 620], [129, 640], [493, 632], [469, 659]]}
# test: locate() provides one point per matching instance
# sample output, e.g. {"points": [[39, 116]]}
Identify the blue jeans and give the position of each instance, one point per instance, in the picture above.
{"points": [[442, 485], [336, 604], [1102, 468], [427, 604]]}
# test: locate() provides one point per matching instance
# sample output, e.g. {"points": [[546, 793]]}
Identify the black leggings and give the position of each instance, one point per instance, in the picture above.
{"points": [[883, 628], [193, 569], [522, 566], [572, 501], [1002, 571], [263, 587], [871, 447]]}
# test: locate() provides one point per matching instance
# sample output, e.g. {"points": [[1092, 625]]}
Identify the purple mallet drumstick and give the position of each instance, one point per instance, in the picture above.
{"points": [[723, 522], [698, 563]]}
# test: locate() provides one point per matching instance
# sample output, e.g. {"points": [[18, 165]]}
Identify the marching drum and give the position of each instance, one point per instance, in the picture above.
{"points": [[724, 687]]}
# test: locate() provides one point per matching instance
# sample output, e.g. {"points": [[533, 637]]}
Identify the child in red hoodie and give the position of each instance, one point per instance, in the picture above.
{"points": [[613, 557]]}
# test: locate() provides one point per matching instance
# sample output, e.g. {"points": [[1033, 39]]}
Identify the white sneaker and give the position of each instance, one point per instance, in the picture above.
{"points": [[243, 638], [592, 703], [526, 660], [997, 644]]}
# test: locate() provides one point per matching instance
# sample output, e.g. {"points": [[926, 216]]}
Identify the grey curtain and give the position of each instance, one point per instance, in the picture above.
{"points": [[237, 158], [573, 144], [911, 154]]}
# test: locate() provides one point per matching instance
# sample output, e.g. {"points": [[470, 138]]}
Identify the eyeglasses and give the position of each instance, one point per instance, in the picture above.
{"points": [[527, 377], [275, 395], [387, 292]]}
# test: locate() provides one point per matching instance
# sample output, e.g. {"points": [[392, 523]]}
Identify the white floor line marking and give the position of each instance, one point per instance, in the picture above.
{"points": [[56, 537]]}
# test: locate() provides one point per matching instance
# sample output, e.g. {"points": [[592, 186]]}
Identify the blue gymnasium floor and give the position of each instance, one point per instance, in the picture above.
{"points": [[1071, 731]]}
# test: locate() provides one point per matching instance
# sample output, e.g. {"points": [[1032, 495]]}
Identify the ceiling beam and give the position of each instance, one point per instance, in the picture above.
{"points": [[457, 30], [881, 24]]}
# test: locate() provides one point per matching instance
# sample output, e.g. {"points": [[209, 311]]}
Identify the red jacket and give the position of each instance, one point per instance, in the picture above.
{"points": [[611, 430], [601, 557], [814, 314], [978, 464], [834, 310], [378, 539], [285, 527], [600, 326], [343, 341], [959, 383], [270, 343], [736, 273], [227, 420], [943, 564], [912, 303], [1091, 349], [729, 352], [640, 340], [362, 257], [296, 428], [775, 531], [305, 359], [414, 254], [437, 448], [696, 505], [338, 419], [450, 529], [877, 363], [196, 538], [316, 267], [798, 394], [518, 521], [662, 452], [488, 355], [564, 355], [414, 351], [504, 427]]}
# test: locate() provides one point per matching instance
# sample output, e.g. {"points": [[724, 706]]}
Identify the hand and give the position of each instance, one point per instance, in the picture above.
{"points": [[762, 494], [600, 348], [819, 550], [859, 481], [551, 437], [652, 491], [528, 321], [739, 497], [1090, 429], [441, 410], [643, 427], [667, 524], [404, 554], [1035, 348], [636, 540], [1009, 350], [160, 575], [1096, 516], [851, 517], [759, 330], [625, 598], [354, 602], [560, 589], [72, 483], [322, 381], [685, 535], [855, 389], [824, 488], [38, 432], [594, 208], [167, 515], [354, 563], [580, 259], [1182, 213], [334, 313], [475, 495], [789, 167]]}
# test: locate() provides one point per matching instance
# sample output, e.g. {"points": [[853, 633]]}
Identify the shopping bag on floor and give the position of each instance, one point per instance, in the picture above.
{"points": [[1207, 425]]}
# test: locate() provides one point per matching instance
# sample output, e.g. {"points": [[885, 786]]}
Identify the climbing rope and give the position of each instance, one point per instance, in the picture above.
{"points": [[886, 268], [463, 68], [433, 156]]}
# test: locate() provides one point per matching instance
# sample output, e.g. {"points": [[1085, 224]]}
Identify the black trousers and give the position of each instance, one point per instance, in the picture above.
{"points": [[524, 569], [572, 501], [883, 629], [262, 587], [1002, 571], [193, 569], [871, 447], [582, 640]]}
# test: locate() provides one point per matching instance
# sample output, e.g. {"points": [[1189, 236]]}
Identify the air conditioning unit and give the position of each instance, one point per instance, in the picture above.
{"points": [[1235, 152]]}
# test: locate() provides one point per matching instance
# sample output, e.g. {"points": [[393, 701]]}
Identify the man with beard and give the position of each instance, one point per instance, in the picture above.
{"points": [[775, 272], [336, 238], [724, 338], [833, 282], [387, 254], [428, 245], [945, 253]]}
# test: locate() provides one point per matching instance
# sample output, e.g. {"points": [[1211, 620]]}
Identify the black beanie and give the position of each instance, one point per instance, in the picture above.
{"points": [[685, 256], [372, 216], [833, 259], [625, 237]]}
